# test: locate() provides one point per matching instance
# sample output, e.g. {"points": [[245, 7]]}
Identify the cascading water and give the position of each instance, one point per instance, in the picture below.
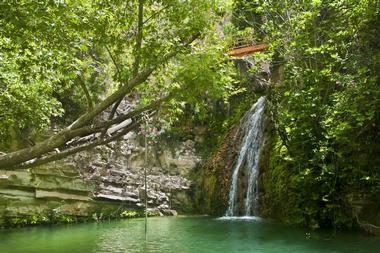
{"points": [[252, 128]]}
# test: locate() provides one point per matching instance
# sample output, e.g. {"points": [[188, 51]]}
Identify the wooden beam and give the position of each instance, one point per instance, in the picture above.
{"points": [[247, 49]]}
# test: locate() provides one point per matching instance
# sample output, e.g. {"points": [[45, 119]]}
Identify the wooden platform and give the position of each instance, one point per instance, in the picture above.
{"points": [[247, 49]]}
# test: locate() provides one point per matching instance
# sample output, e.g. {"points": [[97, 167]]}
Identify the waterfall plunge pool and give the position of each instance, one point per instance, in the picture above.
{"points": [[183, 234]]}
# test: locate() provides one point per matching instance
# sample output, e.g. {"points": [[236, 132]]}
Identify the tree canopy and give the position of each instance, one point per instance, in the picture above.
{"points": [[74, 60]]}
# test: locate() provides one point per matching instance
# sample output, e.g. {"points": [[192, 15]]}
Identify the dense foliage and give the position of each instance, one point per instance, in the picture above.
{"points": [[67, 62], [66, 65], [325, 105]]}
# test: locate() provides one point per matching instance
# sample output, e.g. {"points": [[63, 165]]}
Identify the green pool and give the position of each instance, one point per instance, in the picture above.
{"points": [[183, 234]]}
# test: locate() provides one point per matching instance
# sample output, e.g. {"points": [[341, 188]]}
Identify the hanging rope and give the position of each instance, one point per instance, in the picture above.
{"points": [[146, 119], [145, 185]]}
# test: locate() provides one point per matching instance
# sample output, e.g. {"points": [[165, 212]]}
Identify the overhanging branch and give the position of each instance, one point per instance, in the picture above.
{"points": [[83, 124], [76, 149], [125, 89]]}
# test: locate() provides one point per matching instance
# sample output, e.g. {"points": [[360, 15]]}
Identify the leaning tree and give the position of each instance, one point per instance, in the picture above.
{"points": [[90, 55]]}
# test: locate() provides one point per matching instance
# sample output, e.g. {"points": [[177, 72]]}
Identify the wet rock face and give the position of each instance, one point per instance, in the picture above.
{"points": [[216, 179], [259, 81], [103, 182], [117, 172]]}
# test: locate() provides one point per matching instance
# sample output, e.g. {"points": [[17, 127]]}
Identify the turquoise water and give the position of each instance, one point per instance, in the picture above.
{"points": [[182, 234]]}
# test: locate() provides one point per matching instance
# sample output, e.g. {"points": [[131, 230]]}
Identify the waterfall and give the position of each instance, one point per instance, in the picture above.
{"points": [[252, 129]]}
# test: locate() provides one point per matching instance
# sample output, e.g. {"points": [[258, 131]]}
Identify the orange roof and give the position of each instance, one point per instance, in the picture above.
{"points": [[247, 49]]}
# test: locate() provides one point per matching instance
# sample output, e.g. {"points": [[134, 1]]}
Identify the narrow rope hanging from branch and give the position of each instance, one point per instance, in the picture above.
{"points": [[145, 181]]}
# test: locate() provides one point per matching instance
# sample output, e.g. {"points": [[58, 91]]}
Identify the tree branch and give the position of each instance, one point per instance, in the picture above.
{"points": [[114, 61], [138, 111], [59, 139], [116, 105], [156, 13], [137, 52], [139, 37], [74, 150], [90, 104]]}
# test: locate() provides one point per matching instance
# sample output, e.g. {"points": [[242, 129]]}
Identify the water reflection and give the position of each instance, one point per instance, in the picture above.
{"points": [[183, 234]]}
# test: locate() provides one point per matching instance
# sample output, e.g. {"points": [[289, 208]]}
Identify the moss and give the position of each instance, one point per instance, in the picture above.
{"points": [[55, 217], [129, 214], [212, 188], [38, 220], [137, 214], [209, 189], [293, 195]]}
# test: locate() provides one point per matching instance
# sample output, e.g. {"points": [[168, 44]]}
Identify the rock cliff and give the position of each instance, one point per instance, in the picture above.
{"points": [[102, 183]]}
